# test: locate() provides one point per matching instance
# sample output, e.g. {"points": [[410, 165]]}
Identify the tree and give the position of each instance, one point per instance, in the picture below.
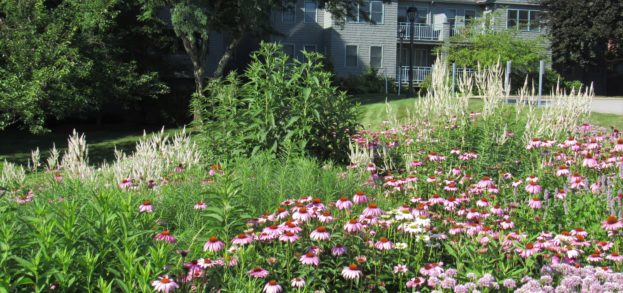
{"points": [[585, 35], [59, 58]]}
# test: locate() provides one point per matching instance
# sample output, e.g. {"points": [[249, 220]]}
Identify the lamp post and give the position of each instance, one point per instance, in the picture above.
{"points": [[401, 36], [411, 14]]}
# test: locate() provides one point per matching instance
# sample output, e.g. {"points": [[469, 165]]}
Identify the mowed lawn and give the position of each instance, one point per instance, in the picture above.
{"points": [[374, 113]]}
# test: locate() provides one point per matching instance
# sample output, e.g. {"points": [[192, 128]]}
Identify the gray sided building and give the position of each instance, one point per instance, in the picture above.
{"points": [[379, 35]]}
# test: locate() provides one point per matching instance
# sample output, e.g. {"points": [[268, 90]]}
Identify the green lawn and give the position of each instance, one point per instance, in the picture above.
{"points": [[374, 113]]}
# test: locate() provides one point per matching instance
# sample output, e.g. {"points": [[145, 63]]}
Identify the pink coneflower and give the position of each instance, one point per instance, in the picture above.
{"points": [[258, 272], [164, 284], [297, 283], [483, 202], [562, 171], [58, 177], [351, 272], [615, 257], [371, 167], [434, 157], [272, 231], [310, 258], [533, 188], [291, 226], [200, 205], [611, 224], [213, 244], [372, 210], [533, 143], [485, 182], [288, 236], [316, 205], [532, 178], [179, 168], [451, 186], [384, 244], [126, 183], [343, 203], [589, 161], [22, 199], [242, 239], [146, 207], [325, 217], [353, 226], [415, 282], [400, 269], [507, 224], [282, 213], [338, 250], [165, 236], [360, 197], [561, 194], [206, 263], [431, 179], [432, 269], [320, 233], [302, 215], [577, 183], [272, 287], [535, 203], [528, 251], [619, 146], [595, 257]]}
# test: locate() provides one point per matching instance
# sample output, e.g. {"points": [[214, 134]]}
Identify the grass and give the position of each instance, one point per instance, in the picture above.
{"points": [[375, 111], [102, 141]]}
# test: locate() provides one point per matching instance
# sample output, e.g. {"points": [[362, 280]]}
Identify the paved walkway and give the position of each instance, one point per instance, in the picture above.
{"points": [[608, 105]]}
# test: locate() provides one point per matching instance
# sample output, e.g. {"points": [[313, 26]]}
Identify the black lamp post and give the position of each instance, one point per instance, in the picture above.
{"points": [[401, 36], [411, 14]]}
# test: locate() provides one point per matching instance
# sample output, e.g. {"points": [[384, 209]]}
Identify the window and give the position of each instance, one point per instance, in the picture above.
{"points": [[309, 48], [470, 15], [376, 12], [451, 17], [376, 57], [289, 50], [524, 20], [310, 11], [288, 14], [351, 56]]}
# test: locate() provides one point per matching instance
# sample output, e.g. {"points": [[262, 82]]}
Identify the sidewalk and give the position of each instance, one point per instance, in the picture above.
{"points": [[607, 105]]}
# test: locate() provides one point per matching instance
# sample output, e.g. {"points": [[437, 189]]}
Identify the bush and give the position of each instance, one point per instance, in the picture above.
{"points": [[367, 83], [279, 105]]}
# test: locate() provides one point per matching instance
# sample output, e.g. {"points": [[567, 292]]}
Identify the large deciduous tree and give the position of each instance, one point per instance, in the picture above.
{"points": [[65, 57], [586, 34]]}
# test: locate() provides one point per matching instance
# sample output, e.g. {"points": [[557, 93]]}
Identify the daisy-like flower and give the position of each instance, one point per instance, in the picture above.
{"points": [[561, 194], [291, 226], [485, 182], [325, 217], [310, 258], [165, 236], [595, 257], [206, 263], [562, 171], [384, 244], [242, 239], [126, 183], [146, 207], [615, 257], [507, 224], [535, 203], [320, 233], [528, 251], [302, 215], [282, 213], [619, 146], [533, 188], [213, 245], [372, 210], [351, 272], [360, 197], [164, 284], [589, 161], [272, 287], [297, 283], [258, 272], [288, 236], [353, 226], [338, 250], [343, 203], [400, 269], [611, 224], [200, 205], [415, 282]]}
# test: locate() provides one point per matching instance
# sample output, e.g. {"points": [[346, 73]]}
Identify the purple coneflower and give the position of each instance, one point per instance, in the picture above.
{"points": [[535, 203], [146, 207], [242, 239], [485, 182], [353, 226], [126, 183], [384, 244], [415, 282], [288, 236], [360, 197], [528, 251], [595, 257], [213, 244], [320, 233], [615, 257], [282, 213], [165, 236], [338, 250], [400, 269], [343, 203], [372, 210], [533, 188], [297, 283], [351, 272], [310, 258], [200, 205], [272, 287], [164, 284], [258, 272], [325, 217], [611, 224], [206, 263], [302, 215], [562, 171]]}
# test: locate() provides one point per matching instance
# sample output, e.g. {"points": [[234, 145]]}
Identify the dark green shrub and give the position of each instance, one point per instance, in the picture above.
{"points": [[368, 83], [279, 105]]}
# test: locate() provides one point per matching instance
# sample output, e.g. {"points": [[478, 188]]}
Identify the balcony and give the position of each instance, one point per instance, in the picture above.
{"points": [[420, 73], [421, 31]]}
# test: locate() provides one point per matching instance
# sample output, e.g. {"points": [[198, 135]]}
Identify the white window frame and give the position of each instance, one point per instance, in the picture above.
{"points": [[370, 11], [283, 13], [382, 55], [356, 56], [305, 11], [516, 27]]}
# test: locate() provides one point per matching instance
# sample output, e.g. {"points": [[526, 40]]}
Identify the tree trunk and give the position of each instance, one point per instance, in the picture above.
{"points": [[229, 51], [197, 51]]}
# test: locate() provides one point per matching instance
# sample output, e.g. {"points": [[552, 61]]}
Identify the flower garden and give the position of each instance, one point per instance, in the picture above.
{"points": [[512, 198]]}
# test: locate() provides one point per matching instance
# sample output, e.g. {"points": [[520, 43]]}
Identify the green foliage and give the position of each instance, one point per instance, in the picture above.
{"points": [[279, 105], [64, 59], [367, 83]]}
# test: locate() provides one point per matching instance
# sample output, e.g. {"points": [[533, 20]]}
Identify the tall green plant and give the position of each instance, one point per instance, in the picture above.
{"points": [[283, 106]]}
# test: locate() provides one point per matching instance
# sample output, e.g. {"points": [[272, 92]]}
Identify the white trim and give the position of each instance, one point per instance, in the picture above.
{"points": [[382, 55], [305, 11], [516, 27], [382, 11], [356, 56]]}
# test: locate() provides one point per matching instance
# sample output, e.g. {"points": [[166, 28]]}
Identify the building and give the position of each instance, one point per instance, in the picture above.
{"points": [[379, 35]]}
